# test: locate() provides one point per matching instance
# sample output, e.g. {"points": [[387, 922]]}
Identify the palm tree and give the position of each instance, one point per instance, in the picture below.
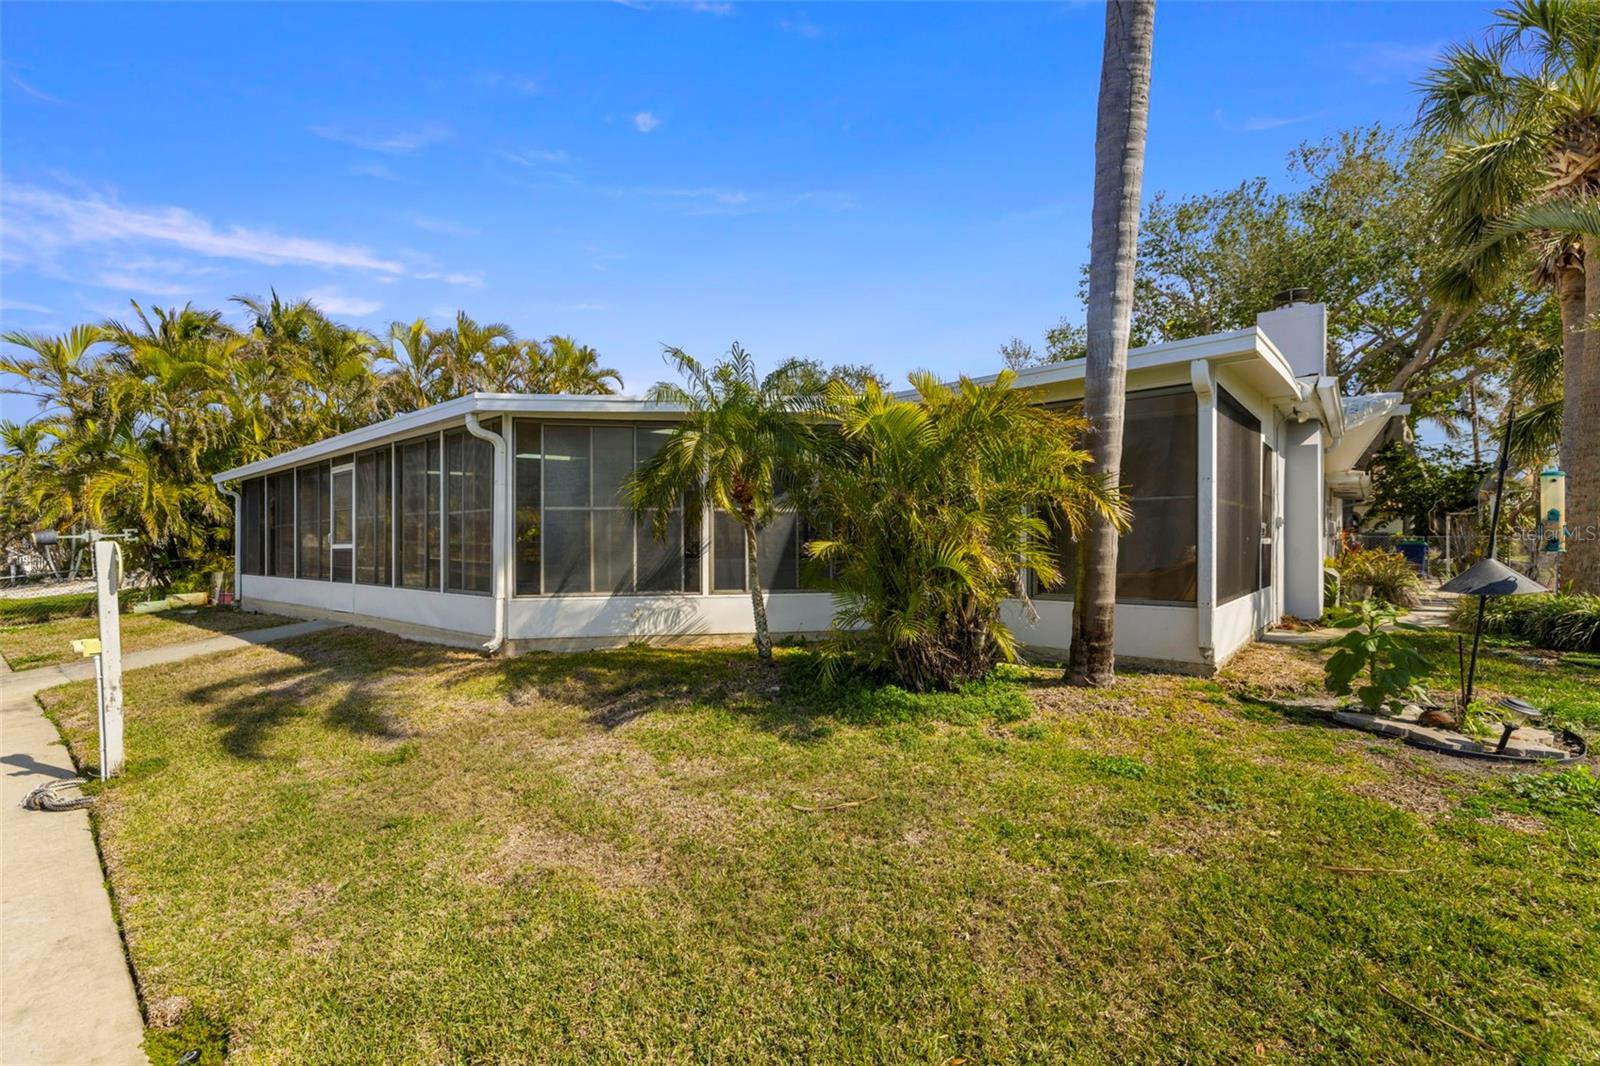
{"points": [[574, 368], [479, 357], [932, 505], [1124, 110], [1520, 117], [416, 352], [55, 370], [738, 433]]}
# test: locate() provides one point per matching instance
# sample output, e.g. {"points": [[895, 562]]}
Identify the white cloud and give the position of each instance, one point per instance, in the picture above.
{"points": [[39, 223], [140, 284], [440, 225], [393, 141], [706, 7], [800, 26], [1381, 61], [519, 83], [644, 122], [374, 170], [720, 201], [472, 279], [33, 91], [1262, 123], [535, 156], [23, 305], [336, 302]]}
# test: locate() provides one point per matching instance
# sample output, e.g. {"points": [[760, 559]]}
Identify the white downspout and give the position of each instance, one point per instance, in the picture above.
{"points": [[501, 555], [238, 518]]}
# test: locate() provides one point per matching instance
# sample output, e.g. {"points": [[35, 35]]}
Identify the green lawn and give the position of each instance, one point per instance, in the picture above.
{"points": [[25, 646], [350, 848]]}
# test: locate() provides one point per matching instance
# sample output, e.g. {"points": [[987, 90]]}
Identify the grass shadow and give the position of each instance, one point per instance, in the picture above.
{"points": [[355, 664]]}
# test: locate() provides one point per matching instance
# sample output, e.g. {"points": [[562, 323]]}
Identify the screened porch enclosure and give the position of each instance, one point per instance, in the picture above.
{"points": [[419, 514], [1158, 558]]}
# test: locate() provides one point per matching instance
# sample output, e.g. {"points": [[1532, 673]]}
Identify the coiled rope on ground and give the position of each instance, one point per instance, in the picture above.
{"points": [[52, 796]]}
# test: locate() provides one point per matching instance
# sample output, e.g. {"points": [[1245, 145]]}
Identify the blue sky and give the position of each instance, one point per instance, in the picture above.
{"points": [[902, 184]]}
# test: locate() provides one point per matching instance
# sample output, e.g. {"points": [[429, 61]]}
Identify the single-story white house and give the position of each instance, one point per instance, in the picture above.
{"points": [[494, 519]]}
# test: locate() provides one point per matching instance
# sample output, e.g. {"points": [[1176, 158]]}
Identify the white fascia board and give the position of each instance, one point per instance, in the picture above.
{"points": [[1236, 346], [449, 413], [1332, 403]]}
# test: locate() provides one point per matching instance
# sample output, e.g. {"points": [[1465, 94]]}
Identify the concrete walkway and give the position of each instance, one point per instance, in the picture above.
{"points": [[1433, 613], [65, 992]]}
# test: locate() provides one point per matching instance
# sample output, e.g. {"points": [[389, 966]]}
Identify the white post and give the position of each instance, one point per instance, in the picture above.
{"points": [[107, 579], [1203, 379]]}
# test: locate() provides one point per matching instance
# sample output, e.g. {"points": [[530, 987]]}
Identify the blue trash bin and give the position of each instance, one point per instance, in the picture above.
{"points": [[1416, 553]]}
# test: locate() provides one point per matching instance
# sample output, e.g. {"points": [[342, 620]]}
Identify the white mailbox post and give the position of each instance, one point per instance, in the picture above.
{"points": [[108, 664]]}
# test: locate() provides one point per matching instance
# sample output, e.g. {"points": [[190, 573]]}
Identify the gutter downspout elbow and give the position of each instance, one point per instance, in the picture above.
{"points": [[501, 554], [238, 519]]}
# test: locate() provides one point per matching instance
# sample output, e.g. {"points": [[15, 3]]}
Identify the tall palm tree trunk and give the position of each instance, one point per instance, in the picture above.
{"points": [[1580, 435], [1124, 110], [758, 603], [1574, 339]]}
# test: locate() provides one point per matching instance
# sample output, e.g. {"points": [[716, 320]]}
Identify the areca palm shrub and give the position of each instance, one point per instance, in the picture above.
{"points": [[739, 435], [933, 507]]}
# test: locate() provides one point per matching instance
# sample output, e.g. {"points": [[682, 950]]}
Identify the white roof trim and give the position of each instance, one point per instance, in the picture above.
{"points": [[448, 413], [1370, 413], [1239, 344]]}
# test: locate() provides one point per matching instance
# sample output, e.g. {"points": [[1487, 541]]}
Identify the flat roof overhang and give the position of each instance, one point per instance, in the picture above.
{"points": [[453, 412], [1250, 352]]}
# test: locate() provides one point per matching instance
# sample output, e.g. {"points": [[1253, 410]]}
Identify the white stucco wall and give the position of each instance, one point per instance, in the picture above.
{"points": [[1153, 633], [596, 619], [1239, 621], [1304, 531], [623, 618], [471, 616]]}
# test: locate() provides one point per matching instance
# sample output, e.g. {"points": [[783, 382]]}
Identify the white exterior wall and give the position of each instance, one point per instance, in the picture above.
{"points": [[595, 619], [1239, 621], [467, 616], [1304, 531], [1147, 633], [619, 619]]}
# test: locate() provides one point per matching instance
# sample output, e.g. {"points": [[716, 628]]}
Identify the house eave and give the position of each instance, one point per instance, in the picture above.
{"points": [[1250, 350], [453, 412]]}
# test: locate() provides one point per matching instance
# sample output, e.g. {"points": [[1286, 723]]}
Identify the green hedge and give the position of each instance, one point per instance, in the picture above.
{"points": [[1555, 620]]}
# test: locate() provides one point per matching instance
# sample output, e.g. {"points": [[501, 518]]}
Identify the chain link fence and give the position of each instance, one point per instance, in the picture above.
{"points": [[44, 609]]}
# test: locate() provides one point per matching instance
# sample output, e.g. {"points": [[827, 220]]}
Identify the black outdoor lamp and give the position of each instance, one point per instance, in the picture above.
{"points": [[1489, 576]]}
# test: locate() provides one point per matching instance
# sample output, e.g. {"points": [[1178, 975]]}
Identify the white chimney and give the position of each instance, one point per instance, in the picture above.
{"points": [[1300, 332]]}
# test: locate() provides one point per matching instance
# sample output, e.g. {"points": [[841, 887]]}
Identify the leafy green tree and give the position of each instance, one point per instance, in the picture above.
{"points": [[480, 357], [569, 367], [1520, 115], [136, 415], [738, 435], [1354, 222], [1421, 484], [931, 506]]}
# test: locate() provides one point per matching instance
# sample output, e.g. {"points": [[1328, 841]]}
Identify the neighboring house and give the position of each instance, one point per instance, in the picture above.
{"points": [[494, 519]]}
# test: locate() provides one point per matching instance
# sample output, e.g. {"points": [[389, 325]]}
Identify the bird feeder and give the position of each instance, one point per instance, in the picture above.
{"points": [[1553, 509]]}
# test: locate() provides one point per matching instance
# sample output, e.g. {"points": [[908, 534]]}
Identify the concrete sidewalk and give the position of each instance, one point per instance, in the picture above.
{"points": [[65, 992], [1432, 613]]}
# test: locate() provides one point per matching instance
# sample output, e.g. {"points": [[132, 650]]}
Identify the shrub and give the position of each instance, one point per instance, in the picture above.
{"points": [[931, 507], [1559, 621], [1392, 668], [1384, 575]]}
